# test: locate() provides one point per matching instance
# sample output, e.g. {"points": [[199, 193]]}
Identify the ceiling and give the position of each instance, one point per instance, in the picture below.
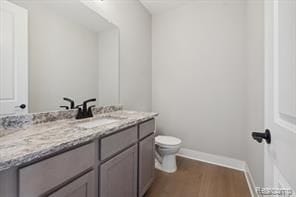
{"points": [[74, 10], [159, 6]]}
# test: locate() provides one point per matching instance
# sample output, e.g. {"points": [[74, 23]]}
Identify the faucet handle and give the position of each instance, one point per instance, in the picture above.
{"points": [[72, 103], [88, 101], [64, 107]]}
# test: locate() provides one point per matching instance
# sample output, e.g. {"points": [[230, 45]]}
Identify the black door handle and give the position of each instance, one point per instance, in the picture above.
{"points": [[260, 136], [22, 106]]}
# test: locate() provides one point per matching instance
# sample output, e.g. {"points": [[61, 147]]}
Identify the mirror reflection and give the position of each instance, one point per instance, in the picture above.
{"points": [[51, 51]]}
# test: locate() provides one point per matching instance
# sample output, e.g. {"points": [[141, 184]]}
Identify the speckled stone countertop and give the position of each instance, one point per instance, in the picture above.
{"points": [[37, 141]]}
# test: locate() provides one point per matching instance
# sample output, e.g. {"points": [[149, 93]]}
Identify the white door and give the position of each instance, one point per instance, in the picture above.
{"points": [[280, 95], [13, 59]]}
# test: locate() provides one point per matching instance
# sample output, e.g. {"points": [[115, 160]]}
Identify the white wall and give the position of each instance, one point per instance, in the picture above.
{"points": [[134, 23], [208, 78], [199, 76], [255, 105], [108, 76]]}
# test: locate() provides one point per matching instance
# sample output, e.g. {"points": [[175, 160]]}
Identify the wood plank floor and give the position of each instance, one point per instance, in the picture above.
{"points": [[198, 179]]}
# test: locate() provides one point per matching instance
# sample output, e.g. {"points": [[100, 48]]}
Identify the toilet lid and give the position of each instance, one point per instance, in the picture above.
{"points": [[167, 140]]}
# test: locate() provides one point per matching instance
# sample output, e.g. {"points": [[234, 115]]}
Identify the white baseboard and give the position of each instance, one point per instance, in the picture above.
{"points": [[221, 161], [250, 181], [212, 159]]}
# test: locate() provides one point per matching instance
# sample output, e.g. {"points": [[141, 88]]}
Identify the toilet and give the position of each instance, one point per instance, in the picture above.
{"points": [[166, 148]]}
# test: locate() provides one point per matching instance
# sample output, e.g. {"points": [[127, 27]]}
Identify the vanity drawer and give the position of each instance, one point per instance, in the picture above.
{"points": [[146, 128], [37, 179], [113, 144]]}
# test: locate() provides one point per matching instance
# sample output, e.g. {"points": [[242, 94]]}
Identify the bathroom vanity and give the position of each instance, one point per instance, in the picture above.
{"points": [[64, 159], [74, 56]]}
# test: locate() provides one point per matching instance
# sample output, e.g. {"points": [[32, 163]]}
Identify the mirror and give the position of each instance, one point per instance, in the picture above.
{"points": [[51, 50]]}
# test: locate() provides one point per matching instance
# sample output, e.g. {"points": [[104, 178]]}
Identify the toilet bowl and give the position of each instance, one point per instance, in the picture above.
{"points": [[166, 148]]}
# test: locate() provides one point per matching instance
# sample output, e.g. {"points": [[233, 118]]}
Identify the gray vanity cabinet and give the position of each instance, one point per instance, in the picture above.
{"points": [[146, 128], [146, 156], [117, 142], [80, 187], [41, 178], [146, 164], [118, 176], [117, 165]]}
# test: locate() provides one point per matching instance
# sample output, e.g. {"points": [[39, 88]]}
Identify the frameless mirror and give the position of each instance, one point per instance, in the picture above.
{"points": [[55, 49]]}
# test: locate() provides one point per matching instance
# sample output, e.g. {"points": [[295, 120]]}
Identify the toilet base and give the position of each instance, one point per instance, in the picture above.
{"points": [[168, 164]]}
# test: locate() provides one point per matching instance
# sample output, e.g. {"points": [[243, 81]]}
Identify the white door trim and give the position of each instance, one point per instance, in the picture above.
{"points": [[278, 156]]}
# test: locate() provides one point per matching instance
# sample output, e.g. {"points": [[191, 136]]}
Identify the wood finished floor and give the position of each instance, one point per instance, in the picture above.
{"points": [[198, 179]]}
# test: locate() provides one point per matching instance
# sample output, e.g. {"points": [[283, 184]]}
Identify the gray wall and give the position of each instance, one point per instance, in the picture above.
{"points": [[134, 23], [199, 76], [255, 105]]}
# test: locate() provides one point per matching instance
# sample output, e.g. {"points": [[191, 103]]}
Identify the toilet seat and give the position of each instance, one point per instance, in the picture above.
{"points": [[167, 141]]}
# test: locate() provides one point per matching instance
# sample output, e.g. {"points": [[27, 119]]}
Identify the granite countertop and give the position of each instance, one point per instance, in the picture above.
{"points": [[38, 141]]}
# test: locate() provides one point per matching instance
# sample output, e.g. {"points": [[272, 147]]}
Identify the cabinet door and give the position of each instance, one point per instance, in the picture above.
{"points": [[81, 187], [146, 164], [119, 175], [54, 171]]}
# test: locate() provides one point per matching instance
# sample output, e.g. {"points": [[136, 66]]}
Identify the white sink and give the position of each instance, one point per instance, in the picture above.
{"points": [[97, 123]]}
